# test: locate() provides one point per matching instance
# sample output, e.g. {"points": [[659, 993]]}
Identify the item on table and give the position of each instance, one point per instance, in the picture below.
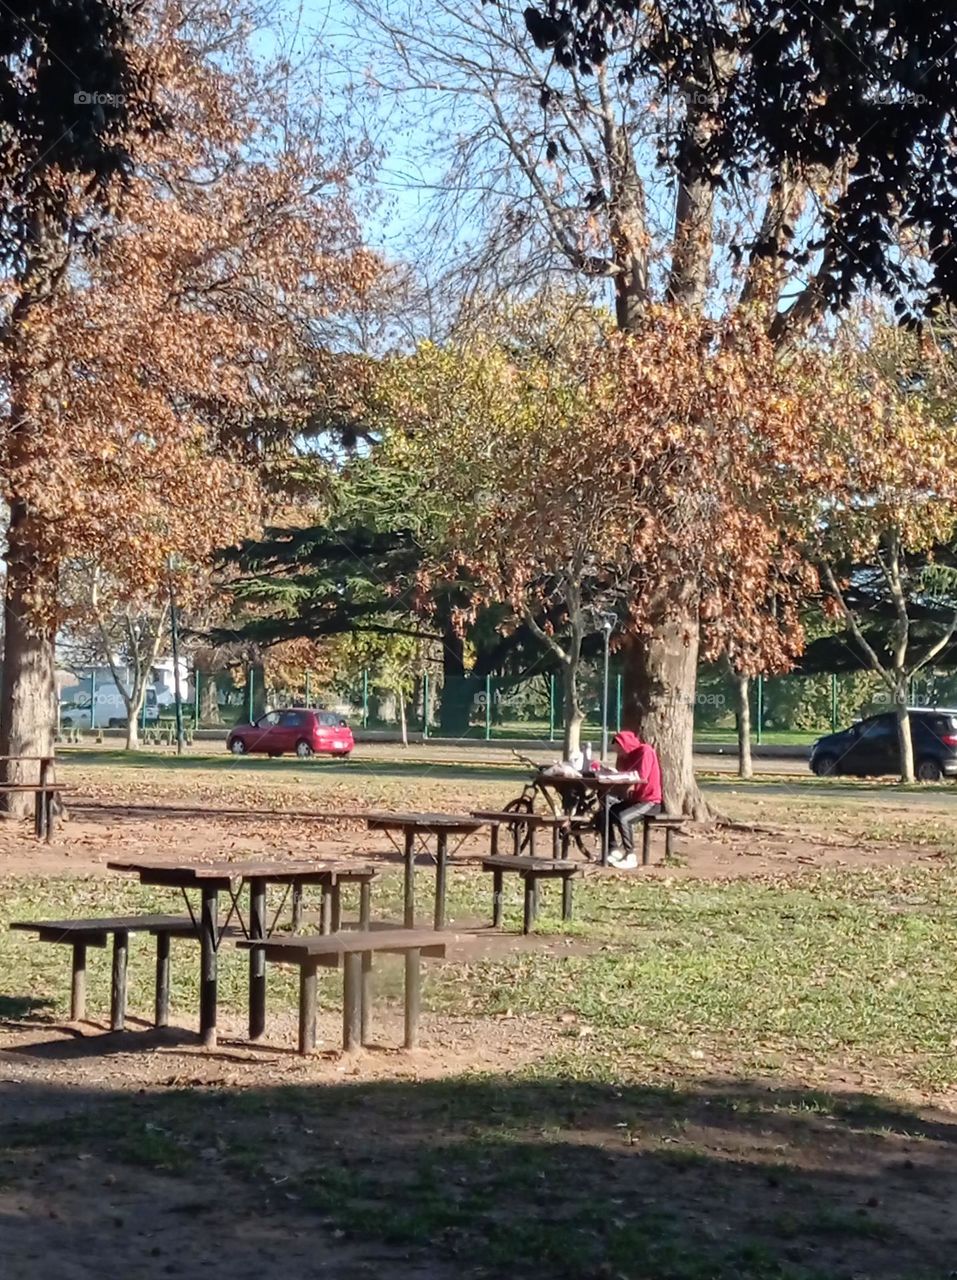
{"points": [[561, 769]]}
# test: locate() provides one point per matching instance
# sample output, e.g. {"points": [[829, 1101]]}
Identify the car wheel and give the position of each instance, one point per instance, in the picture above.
{"points": [[929, 771], [825, 766], [303, 748], [238, 747]]}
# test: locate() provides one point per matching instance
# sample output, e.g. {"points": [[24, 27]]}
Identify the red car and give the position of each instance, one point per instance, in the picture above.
{"points": [[299, 729]]}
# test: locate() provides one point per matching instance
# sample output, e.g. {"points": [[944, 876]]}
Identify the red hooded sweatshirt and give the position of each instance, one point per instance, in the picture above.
{"points": [[635, 756]]}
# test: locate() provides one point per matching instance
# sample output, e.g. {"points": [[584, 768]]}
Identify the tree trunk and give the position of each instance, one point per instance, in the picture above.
{"points": [[458, 689], [904, 739], [28, 691], [209, 712], [661, 672], [258, 673], [134, 706], [571, 709], [742, 716], [403, 725]]}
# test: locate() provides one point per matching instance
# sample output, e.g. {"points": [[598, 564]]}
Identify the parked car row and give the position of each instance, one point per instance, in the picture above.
{"points": [[870, 748], [300, 730]]}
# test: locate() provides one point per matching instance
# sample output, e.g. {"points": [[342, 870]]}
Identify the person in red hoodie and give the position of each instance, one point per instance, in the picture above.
{"points": [[633, 756]]}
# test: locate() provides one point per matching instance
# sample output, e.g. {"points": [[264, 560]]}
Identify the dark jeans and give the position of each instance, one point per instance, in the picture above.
{"points": [[623, 814]]}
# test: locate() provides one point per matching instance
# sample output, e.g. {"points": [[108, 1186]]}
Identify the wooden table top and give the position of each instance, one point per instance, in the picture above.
{"points": [[423, 822], [186, 874], [350, 941], [590, 781]]}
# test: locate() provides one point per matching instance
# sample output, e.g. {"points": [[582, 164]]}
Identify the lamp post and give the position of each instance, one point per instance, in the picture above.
{"points": [[607, 626], [174, 637]]}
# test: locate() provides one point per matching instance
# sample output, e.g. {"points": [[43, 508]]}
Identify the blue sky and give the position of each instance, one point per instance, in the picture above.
{"points": [[394, 221]]}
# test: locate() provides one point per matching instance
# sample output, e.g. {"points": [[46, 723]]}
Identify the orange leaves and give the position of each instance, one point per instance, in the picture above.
{"points": [[142, 390], [619, 463]]}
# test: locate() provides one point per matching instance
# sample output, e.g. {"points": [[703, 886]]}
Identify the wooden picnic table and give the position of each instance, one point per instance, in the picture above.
{"points": [[416, 828], [213, 878], [604, 786], [45, 791]]}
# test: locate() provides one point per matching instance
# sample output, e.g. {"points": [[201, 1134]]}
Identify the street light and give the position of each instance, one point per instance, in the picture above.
{"points": [[608, 621], [174, 637]]}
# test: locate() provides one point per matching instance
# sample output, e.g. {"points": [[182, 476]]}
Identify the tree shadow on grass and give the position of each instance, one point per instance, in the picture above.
{"points": [[17, 1009], [571, 1179]]}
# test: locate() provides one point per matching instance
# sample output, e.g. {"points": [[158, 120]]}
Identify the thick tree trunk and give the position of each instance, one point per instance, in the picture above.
{"points": [[458, 690], [133, 733], [742, 716], [661, 672], [28, 691], [904, 738]]}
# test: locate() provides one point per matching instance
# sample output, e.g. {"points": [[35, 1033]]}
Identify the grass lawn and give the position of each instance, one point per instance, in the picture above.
{"points": [[717, 1093]]}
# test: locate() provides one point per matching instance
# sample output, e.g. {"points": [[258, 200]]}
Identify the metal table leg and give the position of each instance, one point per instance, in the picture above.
{"points": [[161, 1018], [78, 986], [257, 958], [441, 869], [409, 856], [121, 951], [351, 1001], [307, 1006], [209, 945], [413, 995]]}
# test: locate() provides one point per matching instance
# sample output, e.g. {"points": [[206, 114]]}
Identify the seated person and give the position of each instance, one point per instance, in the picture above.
{"points": [[633, 756]]}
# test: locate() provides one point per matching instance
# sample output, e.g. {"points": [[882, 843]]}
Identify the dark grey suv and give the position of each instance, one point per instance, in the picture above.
{"points": [[869, 748]]}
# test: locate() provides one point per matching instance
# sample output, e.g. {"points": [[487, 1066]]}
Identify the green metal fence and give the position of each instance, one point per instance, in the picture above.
{"points": [[494, 707]]}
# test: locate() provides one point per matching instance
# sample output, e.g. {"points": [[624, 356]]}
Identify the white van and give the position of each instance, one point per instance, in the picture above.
{"points": [[105, 710]]}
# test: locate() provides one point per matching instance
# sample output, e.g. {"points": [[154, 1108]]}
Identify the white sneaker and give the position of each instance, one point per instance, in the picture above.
{"points": [[622, 861]]}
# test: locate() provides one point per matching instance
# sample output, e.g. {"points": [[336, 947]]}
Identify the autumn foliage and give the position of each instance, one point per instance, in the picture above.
{"points": [[145, 369], [578, 469]]}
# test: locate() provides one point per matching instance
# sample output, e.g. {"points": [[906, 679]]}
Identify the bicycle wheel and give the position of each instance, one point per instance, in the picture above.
{"points": [[522, 804]]}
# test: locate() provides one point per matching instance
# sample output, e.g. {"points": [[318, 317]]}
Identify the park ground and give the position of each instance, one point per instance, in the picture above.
{"points": [[738, 1066]]}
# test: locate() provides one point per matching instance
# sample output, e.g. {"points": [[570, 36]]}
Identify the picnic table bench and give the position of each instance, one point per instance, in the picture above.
{"points": [[416, 827], [80, 934], [523, 825], [531, 870], [353, 950], [669, 822], [45, 791], [213, 878]]}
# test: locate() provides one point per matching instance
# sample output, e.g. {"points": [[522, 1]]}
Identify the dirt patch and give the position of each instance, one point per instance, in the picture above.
{"points": [[96, 835], [86, 1218], [413, 1176]]}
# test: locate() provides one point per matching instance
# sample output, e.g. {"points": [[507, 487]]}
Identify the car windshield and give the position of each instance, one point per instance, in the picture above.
{"points": [[329, 719]]}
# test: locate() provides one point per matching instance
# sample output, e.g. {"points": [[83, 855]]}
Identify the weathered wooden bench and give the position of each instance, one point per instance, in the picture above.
{"points": [[80, 934], [44, 808], [670, 822], [353, 949], [531, 870], [331, 882], [523, 828]]}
